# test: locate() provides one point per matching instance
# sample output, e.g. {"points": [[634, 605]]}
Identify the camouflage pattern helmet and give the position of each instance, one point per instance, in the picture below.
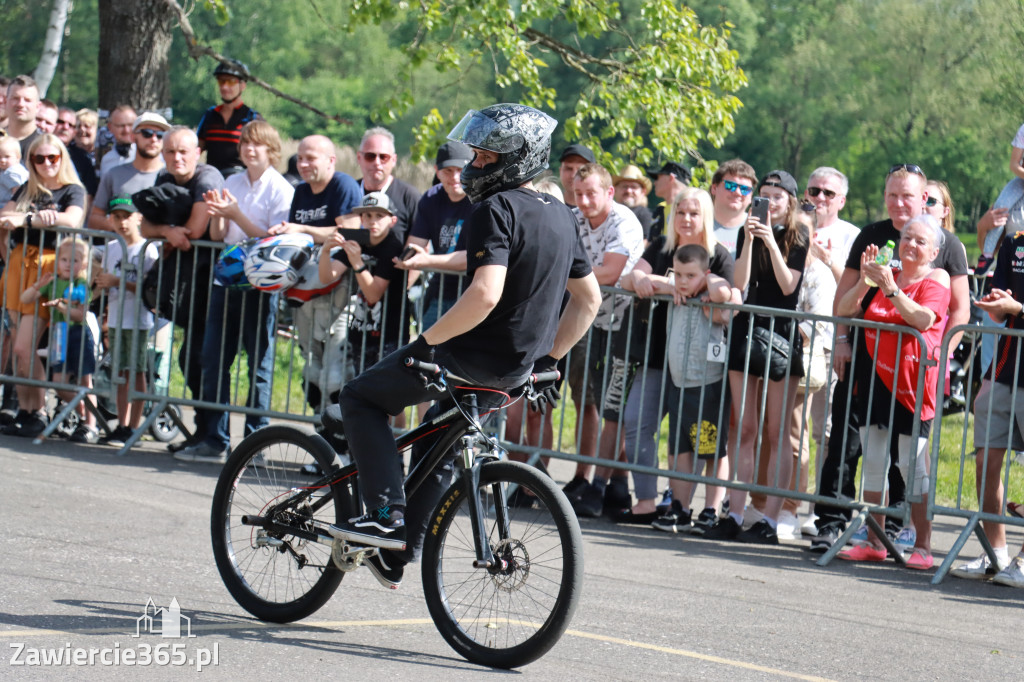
{"points": [[518, 134]]}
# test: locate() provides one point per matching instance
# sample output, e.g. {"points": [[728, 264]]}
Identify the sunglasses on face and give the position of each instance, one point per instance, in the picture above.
{"points": [[149, 133], [373, 156], [909, 167], [932, 202], [817, 191], [46, 158], [731, 186]]}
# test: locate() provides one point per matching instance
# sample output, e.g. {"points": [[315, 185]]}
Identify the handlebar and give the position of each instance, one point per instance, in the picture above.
{"points": [[541, 377], [426, 367]]}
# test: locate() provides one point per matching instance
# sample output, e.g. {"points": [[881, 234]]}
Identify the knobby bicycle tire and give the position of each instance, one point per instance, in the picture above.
{"points": [[514, 616], [267, 579]]}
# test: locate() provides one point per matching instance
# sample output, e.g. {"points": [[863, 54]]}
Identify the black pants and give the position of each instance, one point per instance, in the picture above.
{"points": [[839, 471], [366, 403]]}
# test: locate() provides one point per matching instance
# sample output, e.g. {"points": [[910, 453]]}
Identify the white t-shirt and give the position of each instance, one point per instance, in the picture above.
{"points": [[841, 234], [728, 236], [265, 202], [126, 266], [619, 233]]}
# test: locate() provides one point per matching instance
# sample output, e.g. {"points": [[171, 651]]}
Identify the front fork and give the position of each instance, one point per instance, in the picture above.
{"points": [[469, 475]]}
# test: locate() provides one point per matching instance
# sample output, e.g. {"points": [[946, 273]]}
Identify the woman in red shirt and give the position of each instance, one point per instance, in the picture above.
{"points": [[916, 296]]}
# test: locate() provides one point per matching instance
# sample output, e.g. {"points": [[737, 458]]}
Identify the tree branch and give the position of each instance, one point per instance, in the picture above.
{"points": [[197, 50]]}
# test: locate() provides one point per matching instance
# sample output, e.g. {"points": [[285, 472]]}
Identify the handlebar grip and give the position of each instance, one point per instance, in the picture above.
{"points": [[541, 377], [428, 367]]}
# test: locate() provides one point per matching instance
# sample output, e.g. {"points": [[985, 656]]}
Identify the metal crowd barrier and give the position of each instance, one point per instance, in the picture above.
{"points": [[23, 268], [961, 506], [310, 342]]}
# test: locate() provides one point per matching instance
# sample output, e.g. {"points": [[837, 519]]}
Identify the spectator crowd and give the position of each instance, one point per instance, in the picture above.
{"points": [[745, 391]]}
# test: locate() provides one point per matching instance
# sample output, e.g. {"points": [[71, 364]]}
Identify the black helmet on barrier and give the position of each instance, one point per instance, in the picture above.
{"points": [[232, 67], [520, 135]]}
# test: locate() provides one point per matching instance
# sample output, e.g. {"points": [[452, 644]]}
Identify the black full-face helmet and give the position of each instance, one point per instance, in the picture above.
{"points": [[232, 67], [520, 135]]}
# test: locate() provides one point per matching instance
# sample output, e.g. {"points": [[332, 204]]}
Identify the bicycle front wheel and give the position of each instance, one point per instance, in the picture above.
{"points": [[512, 615], [277, 576]]}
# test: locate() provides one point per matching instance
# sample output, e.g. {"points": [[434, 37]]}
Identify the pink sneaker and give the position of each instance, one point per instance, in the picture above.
{"points": [[920, 560], [866, 552]]}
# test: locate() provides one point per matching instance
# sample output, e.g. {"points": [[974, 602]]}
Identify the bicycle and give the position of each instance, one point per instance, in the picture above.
{"points": [[501, 581]]}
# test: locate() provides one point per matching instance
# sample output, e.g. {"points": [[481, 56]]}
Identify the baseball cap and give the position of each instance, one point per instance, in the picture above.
{"points": [[121, 202], [578, 150], [781, 179], [453, 153], [151, 119], [677, 170], [374, 201]]}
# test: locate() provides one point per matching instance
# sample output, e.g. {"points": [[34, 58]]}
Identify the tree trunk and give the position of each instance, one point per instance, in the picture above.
{"points": [[51, 46], [135, 36]]}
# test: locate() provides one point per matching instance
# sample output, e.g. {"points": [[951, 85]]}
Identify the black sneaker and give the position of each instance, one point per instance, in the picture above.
{"points": [[574, 488], [617, 497], [84, 434], [590, 503], [724, 529], [30, 426], [984, 263], [178, 446], [676, 521], [826, 537], [761, 533], [386, 570], [118, 437], [14, 425], [373, 529], [704, 522]]}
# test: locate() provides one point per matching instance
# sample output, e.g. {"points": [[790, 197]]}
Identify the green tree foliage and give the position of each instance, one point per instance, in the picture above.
{"points": [[650, 78], [863, 84]]}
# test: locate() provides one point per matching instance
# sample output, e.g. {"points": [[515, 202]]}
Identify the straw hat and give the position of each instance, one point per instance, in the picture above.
{"points": [[631, 172]]}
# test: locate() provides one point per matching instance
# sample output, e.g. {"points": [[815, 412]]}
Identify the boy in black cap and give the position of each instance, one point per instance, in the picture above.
{"points": [[573, 157], [668, 180]]}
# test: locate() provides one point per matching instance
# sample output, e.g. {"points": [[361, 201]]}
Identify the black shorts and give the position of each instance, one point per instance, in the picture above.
{"points": [[703, 403]]}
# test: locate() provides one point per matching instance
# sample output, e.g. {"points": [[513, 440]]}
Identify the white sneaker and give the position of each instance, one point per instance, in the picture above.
{"points": [[979, 569], [788, 527], [1013, 574], [809, 528], [751, 515]]}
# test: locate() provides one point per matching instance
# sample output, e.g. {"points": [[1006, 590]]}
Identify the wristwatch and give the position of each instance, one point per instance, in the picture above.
{"points": [[361, 268], [894, 294]]}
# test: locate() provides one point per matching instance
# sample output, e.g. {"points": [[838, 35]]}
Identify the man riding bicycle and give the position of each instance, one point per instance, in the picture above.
{"points": [[523, 254]]}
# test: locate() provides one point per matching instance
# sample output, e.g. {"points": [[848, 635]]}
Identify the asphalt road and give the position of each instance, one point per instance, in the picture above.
{"points": [[89, 537]]}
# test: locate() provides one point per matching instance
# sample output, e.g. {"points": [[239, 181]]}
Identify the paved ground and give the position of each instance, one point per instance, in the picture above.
{"points": [[89, 537]]}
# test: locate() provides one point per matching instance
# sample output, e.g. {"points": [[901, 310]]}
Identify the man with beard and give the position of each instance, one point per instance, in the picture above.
{"points": [[130, 178]]}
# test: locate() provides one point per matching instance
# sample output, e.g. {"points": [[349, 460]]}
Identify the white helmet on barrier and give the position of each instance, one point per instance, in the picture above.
{"points": [[273, 263]]}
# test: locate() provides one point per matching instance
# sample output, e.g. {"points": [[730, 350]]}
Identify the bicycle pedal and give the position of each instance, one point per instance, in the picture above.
{"points": [[348, 557]]}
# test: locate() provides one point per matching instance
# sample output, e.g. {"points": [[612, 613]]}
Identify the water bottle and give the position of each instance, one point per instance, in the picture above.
{"points": [[59, 343], [883, 258]]}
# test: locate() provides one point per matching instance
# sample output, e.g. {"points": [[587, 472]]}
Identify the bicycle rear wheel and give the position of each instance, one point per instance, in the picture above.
{"points": [[509, 617], [278, 577]]}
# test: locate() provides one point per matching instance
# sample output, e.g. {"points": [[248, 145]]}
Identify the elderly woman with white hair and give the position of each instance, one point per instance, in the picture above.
{"points": [[917, 296]]}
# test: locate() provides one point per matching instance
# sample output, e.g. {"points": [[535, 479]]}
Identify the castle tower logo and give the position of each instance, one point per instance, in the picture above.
{"points": [[166, 622]]}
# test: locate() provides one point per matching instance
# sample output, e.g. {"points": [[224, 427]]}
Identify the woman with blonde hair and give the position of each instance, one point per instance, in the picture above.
{"points": [[51, 198], [692, 216]]}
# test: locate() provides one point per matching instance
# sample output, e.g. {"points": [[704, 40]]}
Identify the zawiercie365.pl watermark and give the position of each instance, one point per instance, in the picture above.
{"points": [[167, 623]]}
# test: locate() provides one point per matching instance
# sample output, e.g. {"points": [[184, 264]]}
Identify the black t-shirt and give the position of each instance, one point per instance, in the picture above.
{"points": [[951, 255], [443, 223], [1009, 274], [60, 200], [763, 288], [83, 166], [535, 237], [205, 178], [646, 218], [404, 200], [366, 324], [341, 195], [221, 138], [721, 264]]}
